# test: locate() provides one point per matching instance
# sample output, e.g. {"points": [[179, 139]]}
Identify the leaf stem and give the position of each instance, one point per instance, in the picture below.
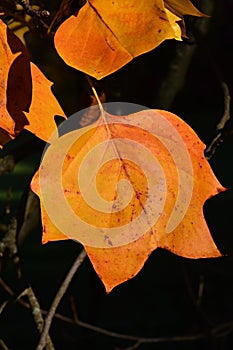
{"points": [[95, 94]]}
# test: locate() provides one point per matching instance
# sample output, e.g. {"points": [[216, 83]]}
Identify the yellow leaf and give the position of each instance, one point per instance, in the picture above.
{"points": [[125, 186], [44, 106], [106, 35]]}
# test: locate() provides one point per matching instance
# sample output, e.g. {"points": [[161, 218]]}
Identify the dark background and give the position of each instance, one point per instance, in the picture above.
{"points": [[161, 301]]}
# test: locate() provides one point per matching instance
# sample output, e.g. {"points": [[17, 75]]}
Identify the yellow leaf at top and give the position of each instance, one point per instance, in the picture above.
{"points": [[106, 35], [125, 186]]}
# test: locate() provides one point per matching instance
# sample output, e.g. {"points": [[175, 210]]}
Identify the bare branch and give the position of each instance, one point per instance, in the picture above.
{"points": [[3, 345], [227, 101], [36, 312], [8, 244], [133, 347], [211, 149], [77, 263], [220, 330], [37, 16]]}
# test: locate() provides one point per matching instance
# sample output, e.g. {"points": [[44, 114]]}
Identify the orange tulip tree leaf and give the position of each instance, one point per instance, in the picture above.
{"points": [[125, 186], [44, 106], [105, 35], [25, 94]]}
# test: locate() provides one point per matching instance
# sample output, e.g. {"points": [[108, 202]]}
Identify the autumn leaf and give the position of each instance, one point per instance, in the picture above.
{"points": [[125, 186], [26, 98], [7, 58], [44, 106], [182, 7], [106, 35]]}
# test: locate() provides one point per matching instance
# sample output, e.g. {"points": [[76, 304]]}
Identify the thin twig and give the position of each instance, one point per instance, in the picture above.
{"points": [[95, 94], [36, 15], [36, 312], [66, 9], [216, 331], [6, 287], [77, 263], [74, 309], [227, 101], [211, 149], [3, 345], [140, 339], [31, 12], [200, 290], [8, 244], [133, 347]]}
